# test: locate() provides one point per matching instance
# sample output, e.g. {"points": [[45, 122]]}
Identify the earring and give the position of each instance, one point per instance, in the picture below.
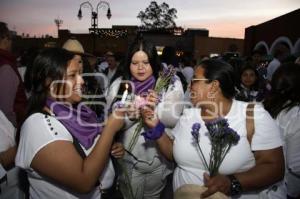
{"points": [[211, 96]]}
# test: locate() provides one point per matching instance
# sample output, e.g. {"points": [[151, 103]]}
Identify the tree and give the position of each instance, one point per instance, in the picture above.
{"points": [[158, 16]]}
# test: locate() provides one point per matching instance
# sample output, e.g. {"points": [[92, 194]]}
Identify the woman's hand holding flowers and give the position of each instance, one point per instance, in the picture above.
{"points": [[152, 98], [217, 183], [132, 111], [149, 117]]}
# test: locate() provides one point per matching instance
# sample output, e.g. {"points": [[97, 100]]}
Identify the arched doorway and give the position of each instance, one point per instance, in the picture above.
{"points": [[262, 46], [297, 48], [283, 43]]}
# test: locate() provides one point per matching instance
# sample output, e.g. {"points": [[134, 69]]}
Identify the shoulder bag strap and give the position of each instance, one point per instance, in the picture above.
{"points": [[78, 147]]}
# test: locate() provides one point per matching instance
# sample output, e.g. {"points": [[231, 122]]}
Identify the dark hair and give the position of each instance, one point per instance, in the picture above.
{"points": [[248, 66], [221, 71], [27, 60], [4, 31], [49, 65], [149, 49], [168, 56], [284, 93]]}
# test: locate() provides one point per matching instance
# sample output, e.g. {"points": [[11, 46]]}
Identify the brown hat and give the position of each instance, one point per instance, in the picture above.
{"points": [[192, 191]]}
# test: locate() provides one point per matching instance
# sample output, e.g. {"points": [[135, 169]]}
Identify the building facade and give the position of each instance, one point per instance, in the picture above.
{"points": [[194, 43], [281, 31]]}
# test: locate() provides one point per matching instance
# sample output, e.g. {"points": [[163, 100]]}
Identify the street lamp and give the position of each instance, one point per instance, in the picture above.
{"points": [[58, 23], [94, 16]]}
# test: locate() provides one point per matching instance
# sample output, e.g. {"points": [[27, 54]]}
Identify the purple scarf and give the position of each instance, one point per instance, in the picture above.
{"points": [[143, 87], [82, 124]]}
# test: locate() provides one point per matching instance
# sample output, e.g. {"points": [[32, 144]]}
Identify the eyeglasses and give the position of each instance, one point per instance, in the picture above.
{"points": [[198, 79]]}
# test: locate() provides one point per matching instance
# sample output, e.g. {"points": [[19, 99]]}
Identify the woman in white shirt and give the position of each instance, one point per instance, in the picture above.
{"points": [[283, 104], [60, 146], [247, 168], [146, 167]]}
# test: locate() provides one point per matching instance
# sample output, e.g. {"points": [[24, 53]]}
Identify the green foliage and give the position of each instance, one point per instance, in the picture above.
{"points": [[158, 16]]}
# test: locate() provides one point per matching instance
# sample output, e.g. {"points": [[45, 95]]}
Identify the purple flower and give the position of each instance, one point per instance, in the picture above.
{"points": [[165, 71], [195, 131], [215, 127], [173, 79], [196, 127], [222, 138], [231, 135], [139, 102], [168, 71]]}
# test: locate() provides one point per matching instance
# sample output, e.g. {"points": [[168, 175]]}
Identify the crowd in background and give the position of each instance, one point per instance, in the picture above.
{"points": [[271, 83]]}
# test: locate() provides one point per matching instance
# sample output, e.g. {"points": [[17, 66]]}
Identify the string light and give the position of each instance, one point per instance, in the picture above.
{"points": [[115, 33]]}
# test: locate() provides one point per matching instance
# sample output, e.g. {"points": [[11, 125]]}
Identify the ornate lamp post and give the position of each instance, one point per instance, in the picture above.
{"points": [[94, 16]]}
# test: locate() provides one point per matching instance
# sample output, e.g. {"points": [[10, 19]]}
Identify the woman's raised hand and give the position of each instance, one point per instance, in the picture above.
{"points": [[149, 117], [152, 98], [116, 120]]}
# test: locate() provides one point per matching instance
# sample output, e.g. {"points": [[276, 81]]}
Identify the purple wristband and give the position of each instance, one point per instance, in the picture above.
{"points": [[154, 133]]}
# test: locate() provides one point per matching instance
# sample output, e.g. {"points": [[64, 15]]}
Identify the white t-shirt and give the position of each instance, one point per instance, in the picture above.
{"points": [[102, 66], [37, 131], [289, 124], [190, 168], [111, 73]]}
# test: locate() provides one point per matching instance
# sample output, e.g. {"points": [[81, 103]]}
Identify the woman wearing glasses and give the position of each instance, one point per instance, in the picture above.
{"points": [[251, 166]]}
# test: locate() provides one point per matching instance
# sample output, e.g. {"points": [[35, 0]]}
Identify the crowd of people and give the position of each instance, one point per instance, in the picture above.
{"points": [[72, 127]]}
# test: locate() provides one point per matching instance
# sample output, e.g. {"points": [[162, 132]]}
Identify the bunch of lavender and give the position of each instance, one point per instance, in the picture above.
{"points": [[222, 138], [166, 78]]}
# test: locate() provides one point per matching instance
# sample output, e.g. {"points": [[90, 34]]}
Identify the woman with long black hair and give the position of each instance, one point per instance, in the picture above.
{"points": [[146, 167], [62, 149]]}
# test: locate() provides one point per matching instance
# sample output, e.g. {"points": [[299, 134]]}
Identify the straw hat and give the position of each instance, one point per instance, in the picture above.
{"points": [[109, 53], [192, 191], [73, 45]]}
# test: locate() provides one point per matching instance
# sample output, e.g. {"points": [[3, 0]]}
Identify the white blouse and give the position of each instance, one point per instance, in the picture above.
{"points": [[190, 167], [37, 131], [289, 123]]}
